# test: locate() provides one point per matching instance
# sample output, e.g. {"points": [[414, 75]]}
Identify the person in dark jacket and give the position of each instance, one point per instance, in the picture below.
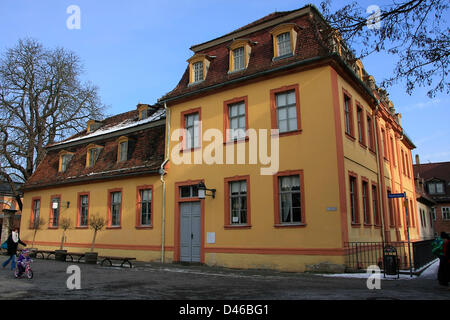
{"points": [[13, 241], [444, 267]]}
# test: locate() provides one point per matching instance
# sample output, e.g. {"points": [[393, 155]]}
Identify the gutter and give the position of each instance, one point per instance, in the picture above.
{"points": [[162, 172]]}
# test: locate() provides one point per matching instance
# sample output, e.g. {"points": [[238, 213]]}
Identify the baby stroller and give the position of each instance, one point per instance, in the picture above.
{"points": [[24, 265]]}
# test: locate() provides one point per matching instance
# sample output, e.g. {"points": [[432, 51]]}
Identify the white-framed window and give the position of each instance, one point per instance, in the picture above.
{"points": [[192, 127], [55, 212], [123, 149], [145, 205], [236, 117], [93, 156], [286, 111], [116, 199], [284, 44], [84, 209], [445, 213], [189, 191], [290, 203], [65, 159], [435, 187], [239, 58], [198, 71], [238, 202]]}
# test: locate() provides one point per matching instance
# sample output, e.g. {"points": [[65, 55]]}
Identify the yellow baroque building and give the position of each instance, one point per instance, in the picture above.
{"points": [[275, 150]]}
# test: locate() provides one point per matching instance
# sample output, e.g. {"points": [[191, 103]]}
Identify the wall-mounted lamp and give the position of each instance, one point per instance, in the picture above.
{"points": [[202, 191]]}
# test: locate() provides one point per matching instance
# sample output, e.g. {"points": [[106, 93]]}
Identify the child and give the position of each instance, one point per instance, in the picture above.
{"points": [[22, 261]]}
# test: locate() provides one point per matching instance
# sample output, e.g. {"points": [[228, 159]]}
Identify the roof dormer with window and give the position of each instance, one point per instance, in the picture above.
{"points": [[284, 40], [93, 151], [239, 55], [122, 149], [198, 68], [64, 160], [143, 110], [93, 125]]}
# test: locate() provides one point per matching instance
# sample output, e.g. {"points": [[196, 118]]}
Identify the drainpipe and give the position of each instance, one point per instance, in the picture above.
{"points": [[162, 173], [380, 192]]}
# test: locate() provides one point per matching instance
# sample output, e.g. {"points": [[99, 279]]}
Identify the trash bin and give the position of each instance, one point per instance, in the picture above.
{"points": [[390, 261]]}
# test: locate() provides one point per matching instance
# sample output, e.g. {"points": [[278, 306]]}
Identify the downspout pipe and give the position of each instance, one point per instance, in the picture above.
{"points": [[380, 191], [162, 172]]}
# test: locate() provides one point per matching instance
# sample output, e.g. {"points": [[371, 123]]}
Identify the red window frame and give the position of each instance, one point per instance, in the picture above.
{"points": [[352, 176], [348, 96], [362, 132], [273, 108], [33, 203], [227, 222], [226, 116], [110, 192], [182, 126], [376, 208], [79, 195], [138, 207], [50, 217], [277, 212], [365, 185]]}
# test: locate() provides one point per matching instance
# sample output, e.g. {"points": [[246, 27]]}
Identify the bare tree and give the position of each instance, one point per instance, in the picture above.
{"points": [[42, 100], [413, 32], [37, 225], [65, 225], [97, 223]]}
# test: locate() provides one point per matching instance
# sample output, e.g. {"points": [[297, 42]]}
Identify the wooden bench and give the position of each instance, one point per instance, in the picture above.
{"points": [[75, 254], [122, 259], [42, 252]]}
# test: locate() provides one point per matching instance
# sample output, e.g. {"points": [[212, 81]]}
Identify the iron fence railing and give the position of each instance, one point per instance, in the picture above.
{"points": [[361, 255]]}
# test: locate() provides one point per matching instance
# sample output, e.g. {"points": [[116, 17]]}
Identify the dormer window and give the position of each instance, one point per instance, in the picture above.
{"points": [[93, 125], [436, 188], [284, 40], [239, 55], [198, 68], [143, 110], [122, 152], [198, 71], [93, 152], [238, 58], [64, 159]]}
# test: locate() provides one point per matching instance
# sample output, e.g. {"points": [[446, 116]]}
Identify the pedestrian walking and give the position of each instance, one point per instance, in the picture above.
{"points": [[13, 241], [446, 252]]}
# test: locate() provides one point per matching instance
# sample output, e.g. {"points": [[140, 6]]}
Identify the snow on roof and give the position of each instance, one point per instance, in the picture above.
{"points": [[127, 123]]}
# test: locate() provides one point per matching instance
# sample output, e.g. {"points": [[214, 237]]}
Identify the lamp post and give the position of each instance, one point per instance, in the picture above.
{"points": [[202, 191]]}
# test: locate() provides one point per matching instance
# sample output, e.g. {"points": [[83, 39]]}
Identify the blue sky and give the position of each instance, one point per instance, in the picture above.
{"points": [[136, 51]]}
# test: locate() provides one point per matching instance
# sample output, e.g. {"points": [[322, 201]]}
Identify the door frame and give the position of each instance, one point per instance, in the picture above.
{"points": [[178, 200]]}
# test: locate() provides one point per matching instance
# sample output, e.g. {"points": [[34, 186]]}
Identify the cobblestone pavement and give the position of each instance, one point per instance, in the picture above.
{"points": [[156, 281]]}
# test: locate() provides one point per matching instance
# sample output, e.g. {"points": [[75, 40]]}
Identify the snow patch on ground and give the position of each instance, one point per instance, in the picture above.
{"points": [[429, 273]]}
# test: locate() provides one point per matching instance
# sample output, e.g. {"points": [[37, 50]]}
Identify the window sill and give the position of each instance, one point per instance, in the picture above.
{"points": [[240, 226], [236, 71], [282, 57], [53, 228], [366, 225], [236, 141], [356, 225], [290, 225], [350, 137], [362, 145], [377, 226], [372, 152], [114, 228], [81, 227], [143, 227], [288, 133], [195, 83]]}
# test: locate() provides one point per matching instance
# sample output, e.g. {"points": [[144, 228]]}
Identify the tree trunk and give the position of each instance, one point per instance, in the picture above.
{"points": [[93, 241], [62, 241]]}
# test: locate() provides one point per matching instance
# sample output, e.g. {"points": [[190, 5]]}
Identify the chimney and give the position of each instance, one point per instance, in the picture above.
{"points": [[417, 159]]}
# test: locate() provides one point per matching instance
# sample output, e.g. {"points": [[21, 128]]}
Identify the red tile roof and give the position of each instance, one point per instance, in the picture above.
{"points": [[145, 154], [437, 170], [261, 58]]}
